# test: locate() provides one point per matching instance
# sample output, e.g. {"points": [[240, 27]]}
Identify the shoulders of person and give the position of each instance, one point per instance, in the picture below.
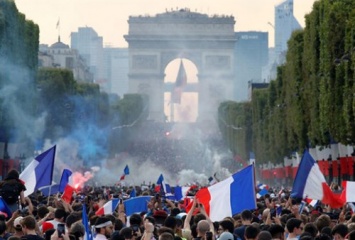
{"points": [[32, 237], [99, 237], [239, 229], [14, 182]]}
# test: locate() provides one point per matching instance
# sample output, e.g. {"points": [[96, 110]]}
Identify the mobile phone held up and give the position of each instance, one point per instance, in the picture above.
{"points": [[61, 230]]}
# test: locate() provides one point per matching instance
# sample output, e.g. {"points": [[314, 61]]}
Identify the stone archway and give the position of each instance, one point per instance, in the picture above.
{"points": [[207, 41]]}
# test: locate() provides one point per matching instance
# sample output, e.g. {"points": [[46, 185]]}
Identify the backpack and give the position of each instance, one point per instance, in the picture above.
{"points": [[9, 192]]}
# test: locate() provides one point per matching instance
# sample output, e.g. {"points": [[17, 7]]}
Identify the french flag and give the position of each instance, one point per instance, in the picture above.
{"points": [[39, 172], [310, 183], [162, 187], [180, 192], [4, 208], [230, 196], [136, 205], [85, 221], [108, 208], [125, 172], [66, 185], [348, 194]]}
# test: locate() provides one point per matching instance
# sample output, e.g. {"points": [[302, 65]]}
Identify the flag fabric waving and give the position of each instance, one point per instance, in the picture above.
{"points": [[310, 183], [230, 196], [125, 172], [133, 193], [109, 207], [85, 221], [137, 204], [65, 179], [348, 194], [49, 190], [181, 81], [4, 208], [66, 185], [180, 192], [163, 188], [39, 172]]}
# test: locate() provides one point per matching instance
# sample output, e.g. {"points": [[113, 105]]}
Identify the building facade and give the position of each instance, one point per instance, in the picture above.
{"points": [[59, 55], [90, 46], [251, 56]]}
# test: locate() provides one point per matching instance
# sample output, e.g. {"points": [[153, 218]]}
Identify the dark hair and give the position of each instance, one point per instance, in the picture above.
{"points": [[246, 215], [293, 223], [47, 235], [166, 236], [323, 236], [12, 174], [306, 236], [311, 228], [29, 222], [276, 230], [118, 224], [60, 213], [126, 233], [251, 232], [170, 222], [72, 218], [135, 219], [227, 225], [340, 229]]}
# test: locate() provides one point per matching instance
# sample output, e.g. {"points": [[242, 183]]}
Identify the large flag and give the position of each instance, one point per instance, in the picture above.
{"points": [[88, 234], [136, 205], [39, 172], [181, 81], [310, 183], [230, 196], [125, 172], [109, 207]]}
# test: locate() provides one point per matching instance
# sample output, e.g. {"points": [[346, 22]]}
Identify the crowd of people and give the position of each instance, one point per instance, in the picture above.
{"points": [[277, 216]]}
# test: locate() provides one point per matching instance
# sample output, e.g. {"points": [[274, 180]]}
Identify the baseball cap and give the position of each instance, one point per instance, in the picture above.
{"points": [[17, 222]]}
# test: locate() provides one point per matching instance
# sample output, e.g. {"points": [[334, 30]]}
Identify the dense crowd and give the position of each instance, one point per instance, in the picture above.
{"points": [[277, 216]]}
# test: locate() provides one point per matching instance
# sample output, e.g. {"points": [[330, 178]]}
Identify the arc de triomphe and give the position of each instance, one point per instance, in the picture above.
{"points": [[207, 41]]}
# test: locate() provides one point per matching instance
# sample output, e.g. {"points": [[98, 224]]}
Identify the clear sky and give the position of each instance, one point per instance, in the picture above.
{"points": [[109, 17]]}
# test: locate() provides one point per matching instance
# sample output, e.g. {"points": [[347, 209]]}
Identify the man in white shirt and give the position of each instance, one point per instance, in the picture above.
{"points": [[103, 228]]}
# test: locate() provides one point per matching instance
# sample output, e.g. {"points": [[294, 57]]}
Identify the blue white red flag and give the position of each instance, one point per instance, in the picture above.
{"points": [[109, 207], [310, 183], [39, 172], [125, 172], [230, 196]]}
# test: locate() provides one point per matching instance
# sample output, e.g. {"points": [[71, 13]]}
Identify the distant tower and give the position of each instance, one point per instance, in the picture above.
{"points": [[90, 46], [251, 55], [285, 24]]}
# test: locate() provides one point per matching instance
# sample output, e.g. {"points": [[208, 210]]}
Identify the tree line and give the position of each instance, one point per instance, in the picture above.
{"points": [[311, 102]]}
